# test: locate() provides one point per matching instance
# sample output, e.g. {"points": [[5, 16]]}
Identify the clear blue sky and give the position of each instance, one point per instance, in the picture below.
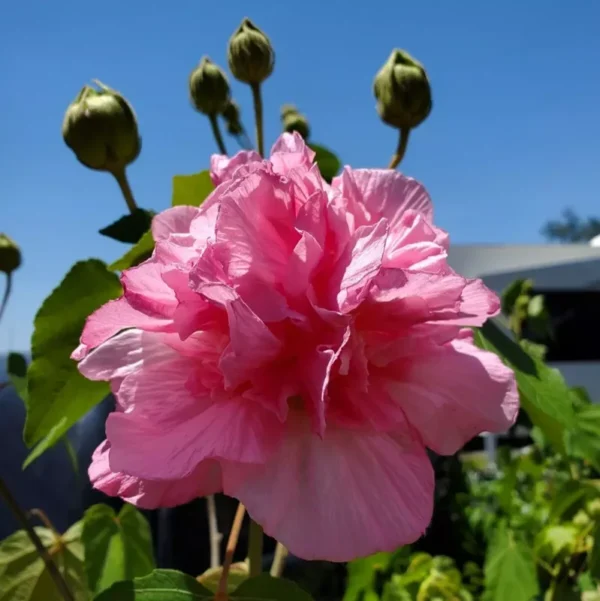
{"points": [[514, 136]]}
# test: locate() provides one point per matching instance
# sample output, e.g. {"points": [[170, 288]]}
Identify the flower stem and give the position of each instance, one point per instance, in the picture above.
{"points": [[20, 516], [258, 117], [121, 177], [7, 291], [213, 529], [214, 123], [278, 564], [234, 535], [401, 150], [255, 548]]}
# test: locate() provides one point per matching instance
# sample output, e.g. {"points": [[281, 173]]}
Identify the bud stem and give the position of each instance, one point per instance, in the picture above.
{"points": [[278, 564], [258, 117], [121, 177], [21, 517], [234, 535], [213, 529], [401, 150], [7, 292], [214, 123], [255, 548]]}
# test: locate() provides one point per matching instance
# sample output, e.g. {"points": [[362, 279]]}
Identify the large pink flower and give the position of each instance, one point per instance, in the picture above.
{"points": [[297, 346]]}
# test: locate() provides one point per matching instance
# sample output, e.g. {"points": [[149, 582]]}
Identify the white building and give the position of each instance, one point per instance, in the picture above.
{"points": [[569, 277]]}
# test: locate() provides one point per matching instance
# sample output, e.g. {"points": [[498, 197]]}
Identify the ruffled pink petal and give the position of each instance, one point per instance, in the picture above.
{"points": [[176, 220], [113, 317], [233, 430], [147, 291], [454, 393], [347, 495], [291, 152], [304, 260], [222, 168], [383, 193], [151, 494]]}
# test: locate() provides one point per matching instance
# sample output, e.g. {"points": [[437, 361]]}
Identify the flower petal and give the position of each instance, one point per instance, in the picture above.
{"points": [[454, 393], [345, 496]]}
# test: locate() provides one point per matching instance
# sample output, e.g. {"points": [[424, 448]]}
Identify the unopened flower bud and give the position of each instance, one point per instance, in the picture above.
{"points": [[101, 129], [231, 114], [10, 254], [402, 91], [209, 88], [251, 56], [292, 121]]}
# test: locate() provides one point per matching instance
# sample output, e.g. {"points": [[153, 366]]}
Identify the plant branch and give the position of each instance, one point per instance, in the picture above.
{"points": [[278, 564], [213, 529], [121, 176], [258, 117], [216, 130], [7, 291], [234, 535], [20, 516], [401, 150]]}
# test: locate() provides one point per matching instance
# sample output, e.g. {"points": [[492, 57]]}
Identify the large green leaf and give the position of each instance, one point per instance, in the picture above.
{"points": [[138, 253], [267, 588], [510, 572], [238, 572], [361, 574], [129, 228], [583, 440], [58, 395], [544, 393], [328, 162], [191, 189], [23, 574], [160, 585], [556, 541], [116, 547], [569, 499]]}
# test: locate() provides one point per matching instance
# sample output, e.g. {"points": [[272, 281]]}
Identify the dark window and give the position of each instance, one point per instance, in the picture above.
{"points": [[575, 324]]}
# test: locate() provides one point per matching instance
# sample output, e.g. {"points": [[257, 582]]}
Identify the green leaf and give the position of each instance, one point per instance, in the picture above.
{"points": [[23, 574], [238, 572], [594, 559], [191, 189], [510, 572], [544, 393], [267, 588], [58, 395], [16, 367], [136, 254], [160, 585], [583, 439], [361, 574], [555, 541], [569, 499], [328, 162], [509, 296], [129, 228], [116, 547]]}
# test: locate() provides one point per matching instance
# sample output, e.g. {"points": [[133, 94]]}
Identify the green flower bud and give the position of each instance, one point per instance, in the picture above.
{"points": [[251, 56], [231, 114], [10, 254], [292, 121], [209, 88], [101, 129], [402, 91]]}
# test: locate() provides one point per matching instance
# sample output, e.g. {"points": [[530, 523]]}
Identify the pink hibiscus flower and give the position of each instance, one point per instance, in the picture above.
{"points": [[297, 346]]}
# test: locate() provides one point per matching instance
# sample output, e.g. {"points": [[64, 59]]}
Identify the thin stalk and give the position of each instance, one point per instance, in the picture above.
{"points": [[278, 564], [232, 542], [213, 529], [216, 130], [21, 517], [255, 548], [401, 150], [121, 176], [258, 117], [7, 291]]}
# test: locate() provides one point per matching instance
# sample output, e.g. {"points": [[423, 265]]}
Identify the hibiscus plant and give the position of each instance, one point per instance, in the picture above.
{"points": [[290, 334]]}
